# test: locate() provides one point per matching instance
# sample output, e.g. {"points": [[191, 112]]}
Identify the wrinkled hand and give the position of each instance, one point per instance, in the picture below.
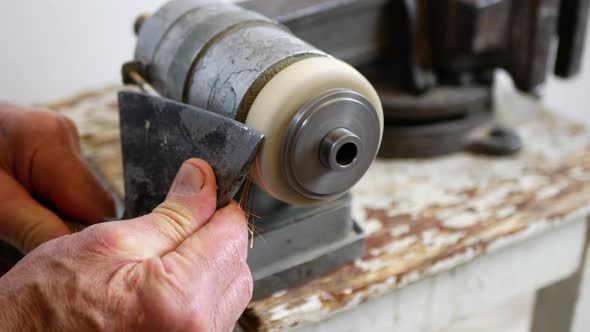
{"points": [[43, 178], [181, 268]]}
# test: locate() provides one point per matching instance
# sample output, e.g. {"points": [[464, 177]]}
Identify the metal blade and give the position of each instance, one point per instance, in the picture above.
{"points": [[159, 134]]}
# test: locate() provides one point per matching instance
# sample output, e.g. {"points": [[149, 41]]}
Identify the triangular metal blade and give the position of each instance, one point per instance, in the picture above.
{"points": [[159, 134]]}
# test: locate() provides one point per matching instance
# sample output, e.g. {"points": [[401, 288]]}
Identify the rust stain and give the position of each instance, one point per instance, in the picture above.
{"points": [[470, 193]]}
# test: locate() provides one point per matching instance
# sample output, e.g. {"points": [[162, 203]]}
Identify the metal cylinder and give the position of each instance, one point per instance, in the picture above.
{"points": [[330, 144], [215, 55], [339, 149]]}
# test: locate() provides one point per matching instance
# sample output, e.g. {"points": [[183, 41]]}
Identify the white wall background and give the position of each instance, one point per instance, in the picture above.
{"points": [[50, 49], [53, 48]]}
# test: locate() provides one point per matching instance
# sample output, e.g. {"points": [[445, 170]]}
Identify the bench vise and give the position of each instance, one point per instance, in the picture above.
{"points": [[433, 61]]}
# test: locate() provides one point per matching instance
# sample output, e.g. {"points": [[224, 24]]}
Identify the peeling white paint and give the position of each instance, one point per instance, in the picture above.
{"points": [[279, 293], [580, 174], [446, 239], [375, 252], [463, 220], [285, 313], [537, 227], [453, 261], [400, 230], [551, 191], [530, 182], [394, 246], [409, 255], [532, 229], [380, 288], [347, 291], [491, 197], [372, 265], [410, 278], [399, 245], [372, 225], [428, 235], [506, 212]]}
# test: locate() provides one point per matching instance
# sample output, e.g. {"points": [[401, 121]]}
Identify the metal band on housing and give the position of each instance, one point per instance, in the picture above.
{"points": [[212, 24], [157, 26], [187, 38], [243, 58], [215, 55]]}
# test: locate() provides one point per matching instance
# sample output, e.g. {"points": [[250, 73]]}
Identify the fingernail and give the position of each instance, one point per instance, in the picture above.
{"points": [[188, 181]]}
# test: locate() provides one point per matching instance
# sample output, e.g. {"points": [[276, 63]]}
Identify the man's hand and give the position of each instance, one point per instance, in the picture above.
{"points": [[181, 268], [43, 178]]}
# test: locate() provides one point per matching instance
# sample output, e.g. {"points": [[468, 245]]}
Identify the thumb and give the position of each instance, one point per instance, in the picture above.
{"points": [[190, 204]]}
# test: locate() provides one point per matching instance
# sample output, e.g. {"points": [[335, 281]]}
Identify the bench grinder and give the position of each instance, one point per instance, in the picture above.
{"points": [[237, 89]]}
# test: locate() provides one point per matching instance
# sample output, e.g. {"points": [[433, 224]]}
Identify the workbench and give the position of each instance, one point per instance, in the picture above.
{"points": [[448, 237]]}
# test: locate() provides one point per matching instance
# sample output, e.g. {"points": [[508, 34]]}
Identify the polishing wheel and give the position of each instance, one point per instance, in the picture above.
{"points": [[322, 120]]}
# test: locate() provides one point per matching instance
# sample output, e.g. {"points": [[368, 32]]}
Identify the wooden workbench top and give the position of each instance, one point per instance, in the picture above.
{"points": [[423, 216]]}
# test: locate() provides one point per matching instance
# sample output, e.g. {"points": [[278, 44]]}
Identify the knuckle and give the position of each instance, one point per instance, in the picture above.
{"points": [[240, 241], [212, 264], [68, 122], [44, 124], [28, 236], [235, 223], [105, 239], [246, 284], [232, 212], [236, 250], [175, 220], [224, 260], [41, 115]]}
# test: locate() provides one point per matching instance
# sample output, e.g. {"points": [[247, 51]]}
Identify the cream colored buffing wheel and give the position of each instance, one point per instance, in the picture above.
{"points": [[323, 123]]}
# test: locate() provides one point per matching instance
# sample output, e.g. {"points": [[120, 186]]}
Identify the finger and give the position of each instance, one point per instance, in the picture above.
{"points": [[234, 301], [24, 223], [48, 162], [189, 205], [74, 134], [213, 256], [72, 188]]}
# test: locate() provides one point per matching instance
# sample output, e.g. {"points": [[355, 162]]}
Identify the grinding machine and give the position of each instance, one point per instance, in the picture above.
{"points": [[239, 90], [289, 127]]}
